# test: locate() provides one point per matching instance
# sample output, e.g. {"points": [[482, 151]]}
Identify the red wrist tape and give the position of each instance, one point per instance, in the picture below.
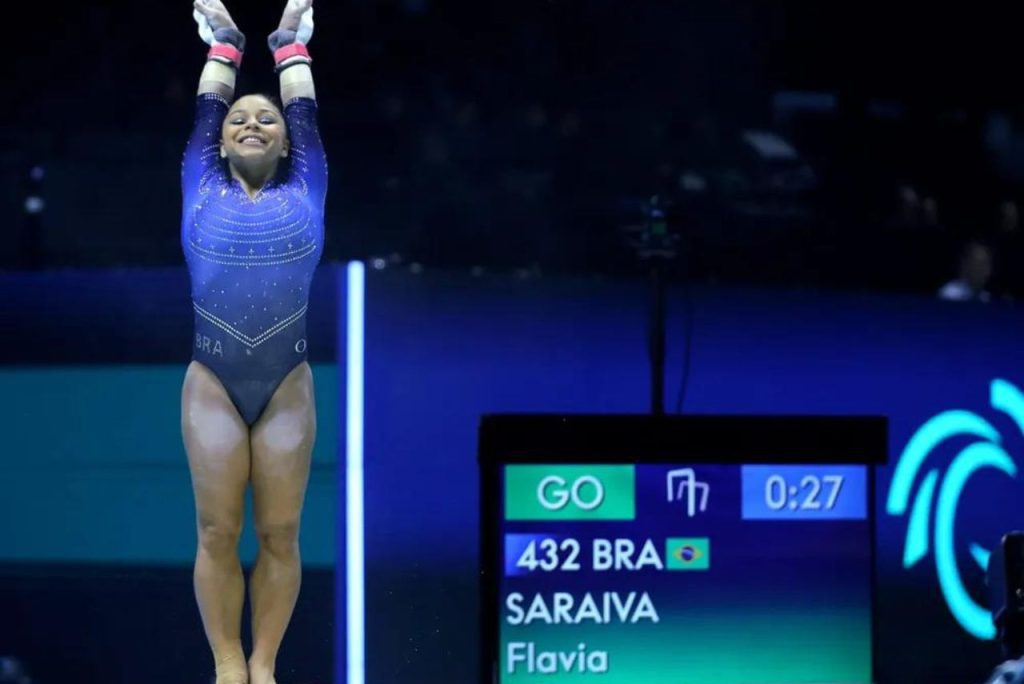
{"points": [[289, 51], [225, 51]]}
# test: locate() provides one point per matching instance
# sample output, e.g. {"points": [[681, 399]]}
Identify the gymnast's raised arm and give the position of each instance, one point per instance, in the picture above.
{"points": [[288, 43], [215, 92]]}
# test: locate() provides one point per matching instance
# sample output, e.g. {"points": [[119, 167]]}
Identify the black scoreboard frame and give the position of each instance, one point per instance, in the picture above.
{"points": [[713, 439]]}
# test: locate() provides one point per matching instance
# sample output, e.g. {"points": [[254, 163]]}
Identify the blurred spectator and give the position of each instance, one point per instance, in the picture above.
{"points": [[975, 271], [13, 672], [936, 243], [31, 255], [1008, 218], [918, 243], [929, 212], [1008, 245]]}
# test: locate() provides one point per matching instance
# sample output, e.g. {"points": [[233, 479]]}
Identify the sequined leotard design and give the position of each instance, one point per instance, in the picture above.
{"points": [[251, 260]]}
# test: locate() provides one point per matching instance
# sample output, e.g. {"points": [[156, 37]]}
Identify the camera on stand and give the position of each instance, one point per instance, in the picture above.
{"points": [[655, 243], [1006, 587]]}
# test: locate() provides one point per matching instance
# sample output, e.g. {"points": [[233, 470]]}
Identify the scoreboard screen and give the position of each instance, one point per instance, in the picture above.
{"points": [[680, 573]]}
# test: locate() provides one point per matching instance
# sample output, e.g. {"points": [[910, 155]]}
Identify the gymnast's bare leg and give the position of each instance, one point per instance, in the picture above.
{"points": [[282, 445], [217, 444]]}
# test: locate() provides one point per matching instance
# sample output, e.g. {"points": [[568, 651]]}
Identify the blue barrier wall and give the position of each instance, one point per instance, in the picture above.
{"points": [[442, 351]]}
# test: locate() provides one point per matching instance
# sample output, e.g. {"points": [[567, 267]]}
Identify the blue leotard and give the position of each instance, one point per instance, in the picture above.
{"points": [[251, 260]]}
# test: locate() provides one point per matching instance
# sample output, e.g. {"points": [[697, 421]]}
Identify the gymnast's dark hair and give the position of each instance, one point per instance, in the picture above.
{"points": [[274, 100]]}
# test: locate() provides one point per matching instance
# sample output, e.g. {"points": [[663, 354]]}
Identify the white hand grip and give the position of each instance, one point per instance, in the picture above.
{"points": [[305, 31], [205, 30]]}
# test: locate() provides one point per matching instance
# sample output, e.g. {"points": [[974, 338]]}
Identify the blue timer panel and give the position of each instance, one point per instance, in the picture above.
{"points": [[792, 492]]}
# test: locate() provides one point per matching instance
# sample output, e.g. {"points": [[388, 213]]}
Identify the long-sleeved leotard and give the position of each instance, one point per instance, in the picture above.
{"points": [[251, 260]]}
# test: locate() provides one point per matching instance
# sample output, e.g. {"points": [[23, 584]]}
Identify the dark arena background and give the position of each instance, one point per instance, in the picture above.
{"points": [[559, 207]]}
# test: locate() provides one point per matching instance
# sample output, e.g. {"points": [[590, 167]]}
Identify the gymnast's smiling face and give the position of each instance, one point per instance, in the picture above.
{"points": [[253, 135]]}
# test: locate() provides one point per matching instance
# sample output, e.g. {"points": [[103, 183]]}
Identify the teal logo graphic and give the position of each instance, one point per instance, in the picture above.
{"points": [[986, 452]]}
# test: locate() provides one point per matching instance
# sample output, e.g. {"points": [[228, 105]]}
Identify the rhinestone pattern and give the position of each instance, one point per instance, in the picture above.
{"points": [[251, 259]]}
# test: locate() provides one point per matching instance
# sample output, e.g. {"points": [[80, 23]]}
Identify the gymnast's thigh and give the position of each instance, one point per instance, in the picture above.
{"points": [[282, 446], [217, 443]]}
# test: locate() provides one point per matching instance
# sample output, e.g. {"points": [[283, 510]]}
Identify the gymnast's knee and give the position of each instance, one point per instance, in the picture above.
{"points": [[280, 540], [219, 540]]}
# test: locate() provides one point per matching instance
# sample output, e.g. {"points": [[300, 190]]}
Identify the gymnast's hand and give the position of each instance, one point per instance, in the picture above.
{"points": [[215, 13], [298, 17]]}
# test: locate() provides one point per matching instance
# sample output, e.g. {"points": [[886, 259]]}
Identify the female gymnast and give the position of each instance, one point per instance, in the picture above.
{"points": [[254, 178]]}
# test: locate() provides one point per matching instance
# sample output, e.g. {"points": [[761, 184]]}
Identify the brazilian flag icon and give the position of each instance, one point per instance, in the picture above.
{"points": [[687, 553]]}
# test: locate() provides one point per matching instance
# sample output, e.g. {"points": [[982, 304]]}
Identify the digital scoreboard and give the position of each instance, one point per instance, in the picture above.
{"points": [[658, 571]]}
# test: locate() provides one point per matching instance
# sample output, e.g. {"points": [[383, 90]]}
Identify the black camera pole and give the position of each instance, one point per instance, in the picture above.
{"points": [[657, 338], [656, 247]]}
